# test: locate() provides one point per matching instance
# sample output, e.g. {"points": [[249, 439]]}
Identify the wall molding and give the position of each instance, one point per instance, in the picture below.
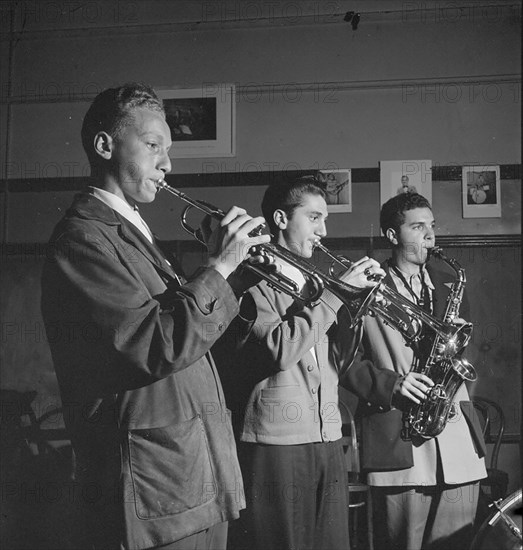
{"points": [[235, 179], [250, 91], [445, 241], [25, 251]]}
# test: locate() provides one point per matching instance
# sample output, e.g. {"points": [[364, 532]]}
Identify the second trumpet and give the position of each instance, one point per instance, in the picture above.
{"points": [[317, 281]]}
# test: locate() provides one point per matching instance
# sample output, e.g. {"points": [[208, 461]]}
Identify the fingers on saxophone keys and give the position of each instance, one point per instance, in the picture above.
{"points": [[426, 380], [419, 380], [415, 386], [413, 398]]}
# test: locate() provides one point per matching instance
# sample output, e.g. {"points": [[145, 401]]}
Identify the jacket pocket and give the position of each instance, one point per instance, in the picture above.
{"points": [[281, 392], [284, 411], [382, 447], [170, 468]]}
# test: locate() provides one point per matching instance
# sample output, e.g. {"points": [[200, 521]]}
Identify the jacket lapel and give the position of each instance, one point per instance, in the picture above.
{"points": [[89, 207], [389, 281], [442, 284], [132, 235]]}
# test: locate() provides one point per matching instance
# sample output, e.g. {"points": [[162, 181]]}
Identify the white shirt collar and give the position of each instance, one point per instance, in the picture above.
{"points": [[124, 208], [422, 272]]}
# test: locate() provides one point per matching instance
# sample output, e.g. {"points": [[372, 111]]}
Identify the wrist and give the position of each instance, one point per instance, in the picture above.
{"points": [[236, 284], [222, 268], [397, 400]]}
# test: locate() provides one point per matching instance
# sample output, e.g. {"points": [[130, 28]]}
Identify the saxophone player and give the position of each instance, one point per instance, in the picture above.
{"points": [[425, 491]]}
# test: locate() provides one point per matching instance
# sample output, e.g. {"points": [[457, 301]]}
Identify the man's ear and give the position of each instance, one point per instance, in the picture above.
{"points": [[103, 145], [280, 219], [391, 235]]}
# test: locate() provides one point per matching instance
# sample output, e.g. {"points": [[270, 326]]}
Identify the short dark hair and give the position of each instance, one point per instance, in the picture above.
{"points": [[111, 111], [392, 213], [288, 196]]}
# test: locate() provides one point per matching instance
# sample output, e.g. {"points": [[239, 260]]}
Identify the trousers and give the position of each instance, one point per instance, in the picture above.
{"points": [[296, 498], [213, 538], [428, 518]]}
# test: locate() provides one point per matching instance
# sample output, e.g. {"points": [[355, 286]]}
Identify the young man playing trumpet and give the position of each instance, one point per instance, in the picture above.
{"points": [[129, 342], [424, 491], [283, 389]]}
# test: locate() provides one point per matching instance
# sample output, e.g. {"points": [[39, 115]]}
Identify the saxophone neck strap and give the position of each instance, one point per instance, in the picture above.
{"points": [[423, 300]]}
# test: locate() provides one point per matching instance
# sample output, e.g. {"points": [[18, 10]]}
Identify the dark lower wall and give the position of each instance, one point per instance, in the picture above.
{"points": [[38, 494]]}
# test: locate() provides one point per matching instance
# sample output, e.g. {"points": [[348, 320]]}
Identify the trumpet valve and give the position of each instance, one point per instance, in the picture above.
{"points": [[257, 231]]}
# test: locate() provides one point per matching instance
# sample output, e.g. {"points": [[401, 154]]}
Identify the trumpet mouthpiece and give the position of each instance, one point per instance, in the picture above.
{"points": [[160, 184]]}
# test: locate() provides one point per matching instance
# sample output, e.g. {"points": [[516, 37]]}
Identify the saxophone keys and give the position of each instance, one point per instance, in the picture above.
{"points": [[453, 412]]}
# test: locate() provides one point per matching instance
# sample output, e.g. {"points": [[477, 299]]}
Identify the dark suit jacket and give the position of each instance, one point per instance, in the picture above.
{"points": [[141, 395]]}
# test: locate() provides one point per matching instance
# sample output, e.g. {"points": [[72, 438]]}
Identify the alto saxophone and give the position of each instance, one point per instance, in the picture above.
{"points": [[448, 371]]}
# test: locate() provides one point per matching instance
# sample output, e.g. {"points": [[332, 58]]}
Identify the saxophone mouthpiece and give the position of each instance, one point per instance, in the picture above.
{"points": [[434, 251]]}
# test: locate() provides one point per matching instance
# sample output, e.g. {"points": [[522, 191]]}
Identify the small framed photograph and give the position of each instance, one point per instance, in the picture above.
{"points": [[405, 176], [338, 187], [202, 120], [481, 192]]}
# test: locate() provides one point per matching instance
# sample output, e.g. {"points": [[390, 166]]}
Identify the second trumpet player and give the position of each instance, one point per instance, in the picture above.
{"points": [[282, 386]]}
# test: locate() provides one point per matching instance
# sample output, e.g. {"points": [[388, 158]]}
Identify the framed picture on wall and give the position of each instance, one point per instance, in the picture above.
{"points": [[202, 120], [405, 176], [481, 192], [338, 187]]}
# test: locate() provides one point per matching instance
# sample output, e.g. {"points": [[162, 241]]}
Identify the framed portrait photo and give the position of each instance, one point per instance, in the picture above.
{"points": [[338, 187], [481, 192], [405, 176], [202, 120]]}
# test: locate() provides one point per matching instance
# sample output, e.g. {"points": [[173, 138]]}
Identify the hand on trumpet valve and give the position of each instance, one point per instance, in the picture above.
{"points": [[243, 278], [364, 273], [230, 242]]}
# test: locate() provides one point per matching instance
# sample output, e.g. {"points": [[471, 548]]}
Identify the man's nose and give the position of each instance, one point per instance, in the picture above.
{"points": [[322, 229], [164, 164]]}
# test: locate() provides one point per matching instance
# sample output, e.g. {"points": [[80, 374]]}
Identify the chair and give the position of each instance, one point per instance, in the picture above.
{"points": [[43, 507], [495, 486], [24, 442], [359, 492]]}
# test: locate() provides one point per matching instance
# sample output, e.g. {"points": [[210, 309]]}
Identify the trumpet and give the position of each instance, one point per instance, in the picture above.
{"points": [[316, 281], [399, 313]]}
